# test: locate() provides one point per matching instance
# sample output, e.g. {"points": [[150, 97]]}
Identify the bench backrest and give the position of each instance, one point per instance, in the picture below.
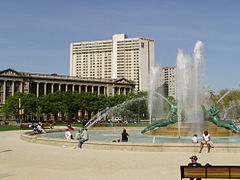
{"points": [[224, 172]]}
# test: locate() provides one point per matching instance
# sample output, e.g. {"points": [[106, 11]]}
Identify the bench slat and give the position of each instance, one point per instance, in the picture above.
{"points": [[235, 173], [196, 172], [220, 172]]}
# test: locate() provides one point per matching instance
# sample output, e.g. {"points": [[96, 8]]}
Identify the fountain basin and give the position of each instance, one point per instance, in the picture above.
{"points": [[189, 129], [231, 144]]}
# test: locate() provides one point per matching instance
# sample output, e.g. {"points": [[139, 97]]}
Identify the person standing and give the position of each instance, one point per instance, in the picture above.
{"points": [[206, 141], [83, 138], [194, 163], [125, 135]]}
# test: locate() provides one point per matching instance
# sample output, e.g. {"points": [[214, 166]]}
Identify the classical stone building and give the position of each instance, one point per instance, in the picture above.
{"points": [[12, 82]]}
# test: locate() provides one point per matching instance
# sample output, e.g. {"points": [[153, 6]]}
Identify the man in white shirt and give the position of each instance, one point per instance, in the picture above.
{"points": [[83, 138]]}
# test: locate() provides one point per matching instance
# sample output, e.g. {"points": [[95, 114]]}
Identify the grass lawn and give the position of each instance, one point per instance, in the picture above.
{"points": [[8, 127]]}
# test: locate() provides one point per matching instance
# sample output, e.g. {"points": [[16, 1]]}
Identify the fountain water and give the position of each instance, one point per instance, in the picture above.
{"points": [[190, 86], [232, 105], [101, 115], [223, 96], [190, 89], [155, 107]]}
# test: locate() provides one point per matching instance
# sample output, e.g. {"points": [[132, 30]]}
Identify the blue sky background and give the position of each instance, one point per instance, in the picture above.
{"points": [[35, 35]]}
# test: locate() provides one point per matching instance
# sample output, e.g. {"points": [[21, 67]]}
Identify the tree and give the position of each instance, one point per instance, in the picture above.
{"points": [[28, 102], [229, 105]]}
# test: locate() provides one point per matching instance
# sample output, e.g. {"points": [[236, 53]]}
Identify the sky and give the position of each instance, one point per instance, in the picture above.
{"points": [[35, 35]]}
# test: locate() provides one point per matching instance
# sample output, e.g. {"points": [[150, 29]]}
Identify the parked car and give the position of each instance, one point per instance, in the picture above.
{"points": [[131, 121], [116, 120]]}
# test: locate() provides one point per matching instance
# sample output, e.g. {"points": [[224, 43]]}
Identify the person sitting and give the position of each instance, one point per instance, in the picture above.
{"points": [[70, 128], [68, 134], [206, 141], [195, 139], [40, 129], [84, 137], [194, 162]]}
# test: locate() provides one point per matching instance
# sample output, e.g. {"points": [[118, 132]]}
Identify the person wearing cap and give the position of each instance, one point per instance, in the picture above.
{"points": [[194, 162]]}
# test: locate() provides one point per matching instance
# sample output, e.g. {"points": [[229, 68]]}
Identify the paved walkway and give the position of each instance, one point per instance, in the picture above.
{"points": [[22, 160]]}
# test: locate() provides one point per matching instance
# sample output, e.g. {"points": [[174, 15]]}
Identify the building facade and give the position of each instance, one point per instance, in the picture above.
{"points": [[12, 82], [168, 81], [121, 57]]}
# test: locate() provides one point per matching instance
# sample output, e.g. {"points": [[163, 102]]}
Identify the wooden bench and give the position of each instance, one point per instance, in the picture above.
{"points": [[223, 172]]}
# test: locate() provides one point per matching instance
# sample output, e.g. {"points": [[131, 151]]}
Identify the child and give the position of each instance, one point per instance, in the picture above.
{"points": [[194, 139]]}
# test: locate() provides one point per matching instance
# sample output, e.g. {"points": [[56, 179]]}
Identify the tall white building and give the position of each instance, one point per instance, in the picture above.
{"points": [[168, 81], [121, 57]]}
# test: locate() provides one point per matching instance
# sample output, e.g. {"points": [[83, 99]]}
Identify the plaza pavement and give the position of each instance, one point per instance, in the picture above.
{"points": [[20, 160]]}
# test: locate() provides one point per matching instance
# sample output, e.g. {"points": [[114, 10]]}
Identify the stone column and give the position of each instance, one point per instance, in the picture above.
{"points": [[21, 86], [105, 91], [124, 91], [44, 88], [118, 91], [13, 83], [79, 88], [4, 91], [59, 87], [37, 89], [86, 88], [98, 89], [52, 88]]}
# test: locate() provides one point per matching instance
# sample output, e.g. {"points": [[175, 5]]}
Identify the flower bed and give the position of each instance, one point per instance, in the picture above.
{"points": [[113, 124]]}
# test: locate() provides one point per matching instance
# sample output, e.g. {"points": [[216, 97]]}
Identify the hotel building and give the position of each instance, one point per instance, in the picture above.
{"points": [[120, 57], [168, 81]]}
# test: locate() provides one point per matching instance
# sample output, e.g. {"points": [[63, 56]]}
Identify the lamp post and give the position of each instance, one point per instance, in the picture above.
{"points": [[19, 110]]}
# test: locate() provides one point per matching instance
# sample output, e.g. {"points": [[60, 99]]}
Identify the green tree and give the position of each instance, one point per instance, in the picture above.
{"points": [[230, 102], [26, 101]]}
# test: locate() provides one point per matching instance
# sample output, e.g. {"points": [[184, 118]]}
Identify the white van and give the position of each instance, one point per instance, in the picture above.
{"points": [[116, 120]]}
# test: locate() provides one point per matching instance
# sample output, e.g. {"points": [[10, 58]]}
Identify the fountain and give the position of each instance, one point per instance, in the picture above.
{"points": [[190, 115]]}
